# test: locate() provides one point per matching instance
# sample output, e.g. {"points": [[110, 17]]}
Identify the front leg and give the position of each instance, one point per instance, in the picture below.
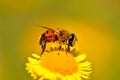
{"points": [[68, 49]]}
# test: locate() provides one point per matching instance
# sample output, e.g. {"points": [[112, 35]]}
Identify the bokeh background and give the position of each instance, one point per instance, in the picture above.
{"points": [[96, 23]]}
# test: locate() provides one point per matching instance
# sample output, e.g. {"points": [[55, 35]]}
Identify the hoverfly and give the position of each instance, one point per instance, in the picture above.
{"points": [[60, 35]]}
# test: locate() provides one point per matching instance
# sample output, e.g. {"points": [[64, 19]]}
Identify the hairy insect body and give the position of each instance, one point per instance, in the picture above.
{"points": [[61, 36]]}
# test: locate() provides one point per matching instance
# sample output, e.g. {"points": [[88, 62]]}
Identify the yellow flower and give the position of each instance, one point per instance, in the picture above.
{"points": [[59, 65]]}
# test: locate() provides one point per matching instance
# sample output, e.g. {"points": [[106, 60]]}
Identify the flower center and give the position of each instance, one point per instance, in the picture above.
{"points": [[60, 62]]}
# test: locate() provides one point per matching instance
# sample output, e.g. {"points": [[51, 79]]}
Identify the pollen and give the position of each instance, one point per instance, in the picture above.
{"points": [[59, 62]]}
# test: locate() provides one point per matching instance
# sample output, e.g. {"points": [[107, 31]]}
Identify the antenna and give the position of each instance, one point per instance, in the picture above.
{"points": [[44, 27]]}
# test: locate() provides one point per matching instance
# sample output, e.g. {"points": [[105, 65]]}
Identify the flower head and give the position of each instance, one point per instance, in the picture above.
{"points": [[58, 65]]}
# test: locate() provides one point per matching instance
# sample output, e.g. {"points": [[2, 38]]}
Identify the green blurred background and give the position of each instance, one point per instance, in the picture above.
{"points": [[17, 33]]}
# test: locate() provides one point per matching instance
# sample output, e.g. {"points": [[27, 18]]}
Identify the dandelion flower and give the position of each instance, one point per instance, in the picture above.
{"points": [[59, 65]]}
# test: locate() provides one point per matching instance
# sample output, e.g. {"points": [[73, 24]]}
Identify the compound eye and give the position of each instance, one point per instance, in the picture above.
{"points": [[70, 37]]}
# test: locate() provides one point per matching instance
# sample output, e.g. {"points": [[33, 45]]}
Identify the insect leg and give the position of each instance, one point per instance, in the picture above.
{"points": [[68, 49], [43, 47], [42, 43]]}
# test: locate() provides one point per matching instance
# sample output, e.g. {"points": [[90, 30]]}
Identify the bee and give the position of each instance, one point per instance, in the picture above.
{"points": [[62, 36]]}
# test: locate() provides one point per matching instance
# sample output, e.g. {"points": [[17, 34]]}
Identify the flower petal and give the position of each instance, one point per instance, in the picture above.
{"points": [[77, 76], [81, 57], [32, 60], [36, 56]]}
